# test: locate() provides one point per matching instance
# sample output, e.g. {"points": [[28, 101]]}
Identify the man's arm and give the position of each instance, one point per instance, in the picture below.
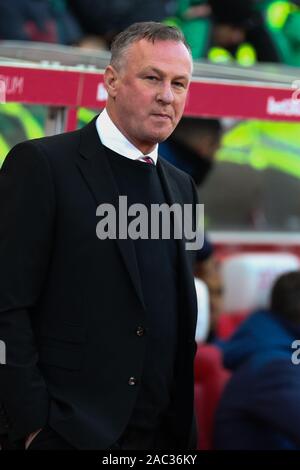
{"points": [[27, 206]]}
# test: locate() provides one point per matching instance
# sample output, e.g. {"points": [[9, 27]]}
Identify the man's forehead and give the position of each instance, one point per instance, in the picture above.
{"points": [[154, 54], [145, 47]]}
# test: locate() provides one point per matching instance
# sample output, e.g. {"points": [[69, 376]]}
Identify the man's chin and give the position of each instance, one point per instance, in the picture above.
{"points": [[162, 136], [157, 137]]}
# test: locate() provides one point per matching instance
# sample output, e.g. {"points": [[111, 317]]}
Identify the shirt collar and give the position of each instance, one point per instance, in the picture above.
{"points": [[112, 138]]}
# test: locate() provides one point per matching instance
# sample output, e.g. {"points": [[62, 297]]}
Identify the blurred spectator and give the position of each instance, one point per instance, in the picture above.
{"points": [[193, 146], [194, 18], [208, 270], [257, 174], [241, 30], [38, 20], [108, 18], [260, 407]]}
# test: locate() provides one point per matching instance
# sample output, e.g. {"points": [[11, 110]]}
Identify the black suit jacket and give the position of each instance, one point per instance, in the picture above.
{"points": [[70, 304]]}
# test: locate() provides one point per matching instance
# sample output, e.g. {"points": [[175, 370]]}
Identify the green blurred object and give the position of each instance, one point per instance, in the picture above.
{"points": [[4, 149], [245, 55], [18, 123], [262, 145], [283, 22], [197, 31], [84, 116], [281, 18], [277, 13], [219, 55]]}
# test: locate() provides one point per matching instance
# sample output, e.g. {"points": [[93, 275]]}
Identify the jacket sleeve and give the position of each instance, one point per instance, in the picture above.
{"points": [[27, 207], [275, 398]]}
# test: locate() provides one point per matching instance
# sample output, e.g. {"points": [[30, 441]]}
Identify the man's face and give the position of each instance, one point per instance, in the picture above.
{"points": [[148, 91]]}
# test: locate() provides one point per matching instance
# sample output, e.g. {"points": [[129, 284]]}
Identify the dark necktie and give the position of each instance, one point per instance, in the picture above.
{"points": [[148, 160]]}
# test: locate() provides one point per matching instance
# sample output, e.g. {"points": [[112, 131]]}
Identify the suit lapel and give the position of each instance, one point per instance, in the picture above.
{"points": [[96, 171], [187, 286]]}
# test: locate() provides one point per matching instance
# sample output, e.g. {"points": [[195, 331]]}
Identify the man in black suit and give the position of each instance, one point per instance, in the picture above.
{"points": [[99, 333]]}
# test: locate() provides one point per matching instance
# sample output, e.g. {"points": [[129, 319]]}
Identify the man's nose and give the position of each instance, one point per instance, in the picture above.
{"points": [[165, 94]]}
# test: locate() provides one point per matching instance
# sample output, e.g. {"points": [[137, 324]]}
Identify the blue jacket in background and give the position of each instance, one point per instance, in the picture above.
{"points": [[39, 20], [260, 407]]}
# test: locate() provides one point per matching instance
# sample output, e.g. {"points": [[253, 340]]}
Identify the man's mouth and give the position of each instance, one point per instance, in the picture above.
{"points": [[162, 116]]}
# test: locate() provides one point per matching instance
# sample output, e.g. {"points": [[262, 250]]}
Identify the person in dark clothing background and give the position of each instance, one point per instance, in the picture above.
{"points": [[238, 21], [207, 268], [193, 146], [260, 407], [108, 18], [43, 20]]}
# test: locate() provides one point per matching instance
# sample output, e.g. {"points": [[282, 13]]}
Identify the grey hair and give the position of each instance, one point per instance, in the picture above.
{"points": [[149, 30]]}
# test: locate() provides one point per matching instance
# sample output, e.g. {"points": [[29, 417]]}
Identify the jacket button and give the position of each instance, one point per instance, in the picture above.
{"points": [[132, 381], [140, 331]]}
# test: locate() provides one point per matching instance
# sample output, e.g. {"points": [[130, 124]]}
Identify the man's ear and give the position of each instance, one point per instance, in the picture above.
{"points": [[111, 80]]}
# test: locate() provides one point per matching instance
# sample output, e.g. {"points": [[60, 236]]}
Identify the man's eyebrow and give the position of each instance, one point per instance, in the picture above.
{"points": [[161, 73]]}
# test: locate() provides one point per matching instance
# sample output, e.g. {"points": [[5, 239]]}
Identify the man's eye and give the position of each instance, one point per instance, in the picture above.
{"points": [[179, 84], [152, 78]]}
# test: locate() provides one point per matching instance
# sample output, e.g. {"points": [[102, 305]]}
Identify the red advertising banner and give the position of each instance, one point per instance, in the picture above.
{"points": [[40, 86], [242, 101], [71, 88]]}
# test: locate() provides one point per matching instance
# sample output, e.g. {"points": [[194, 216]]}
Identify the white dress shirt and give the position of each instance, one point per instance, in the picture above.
{"points": [[113, 139]]}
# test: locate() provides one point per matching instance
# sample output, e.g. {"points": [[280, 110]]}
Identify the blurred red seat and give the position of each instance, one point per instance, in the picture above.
{"points": [[210, 379], [228, 323]]}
